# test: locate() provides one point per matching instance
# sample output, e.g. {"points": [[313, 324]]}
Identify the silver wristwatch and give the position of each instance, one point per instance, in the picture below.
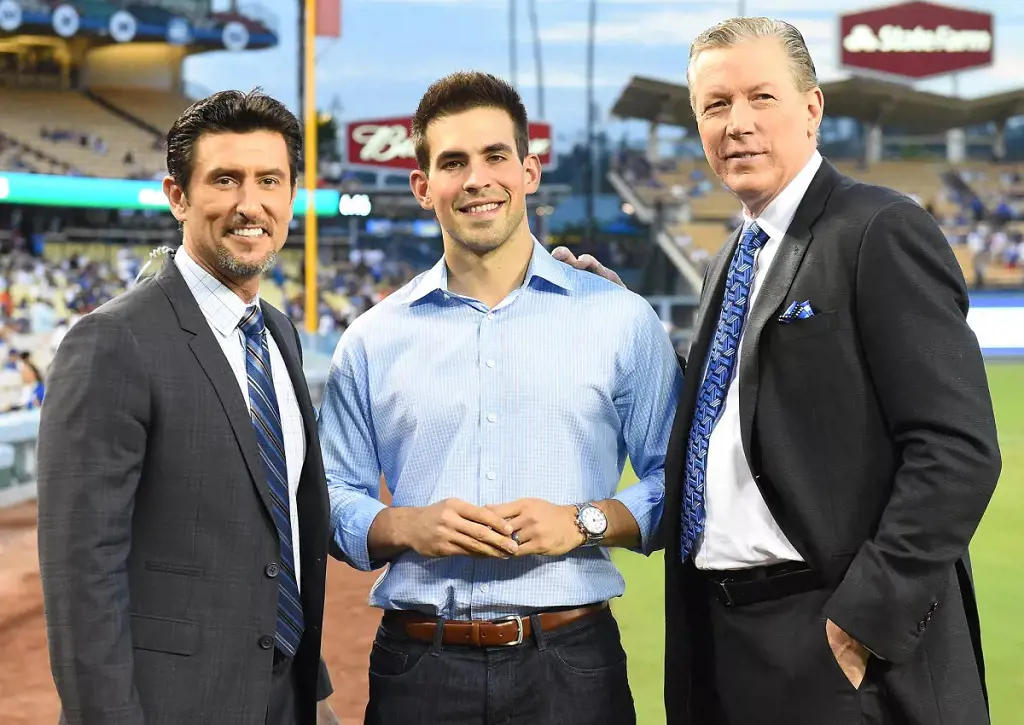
{"points": [[591, 522]]}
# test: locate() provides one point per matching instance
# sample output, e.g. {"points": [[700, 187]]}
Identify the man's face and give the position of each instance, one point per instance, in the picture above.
{"points": [[476, 184], [757, 129], [236, 211]]}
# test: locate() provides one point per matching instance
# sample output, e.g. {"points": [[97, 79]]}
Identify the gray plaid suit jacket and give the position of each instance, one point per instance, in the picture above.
{"points": [[155, 535]]}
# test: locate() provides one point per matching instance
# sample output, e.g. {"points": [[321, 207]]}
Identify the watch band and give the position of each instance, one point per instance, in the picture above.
{"points": [[589, 539]]}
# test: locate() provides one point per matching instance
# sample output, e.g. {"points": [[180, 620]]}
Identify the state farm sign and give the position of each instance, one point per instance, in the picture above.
{"points": [[916, 39], [388, 142]]}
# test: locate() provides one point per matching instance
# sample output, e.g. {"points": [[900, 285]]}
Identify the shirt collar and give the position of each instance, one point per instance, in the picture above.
{"points": [[542, 265], [220, 306], [778, 215]]}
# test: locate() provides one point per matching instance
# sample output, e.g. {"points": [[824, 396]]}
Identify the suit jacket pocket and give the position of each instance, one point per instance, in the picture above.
{"points": [[159, 634], [182, 569], [818, 324]]}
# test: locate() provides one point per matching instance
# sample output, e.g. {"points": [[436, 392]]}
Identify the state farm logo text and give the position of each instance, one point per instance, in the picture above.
{"points": [[897, 39], [385, 143]]}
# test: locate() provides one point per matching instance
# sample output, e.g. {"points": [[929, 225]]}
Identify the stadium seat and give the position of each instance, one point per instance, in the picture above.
{"points": [[28, 112]]}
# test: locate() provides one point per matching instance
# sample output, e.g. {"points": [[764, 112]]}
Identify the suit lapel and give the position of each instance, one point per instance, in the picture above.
{"points": [[211, 358], [707, 319], [774, 293]]}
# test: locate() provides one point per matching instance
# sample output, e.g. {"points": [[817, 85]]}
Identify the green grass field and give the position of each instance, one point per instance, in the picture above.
{"points": [[995, 554]]}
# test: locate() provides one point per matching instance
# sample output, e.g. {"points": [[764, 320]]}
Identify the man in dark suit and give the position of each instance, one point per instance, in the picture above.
{"points": [[835, 446], [182, 502]]}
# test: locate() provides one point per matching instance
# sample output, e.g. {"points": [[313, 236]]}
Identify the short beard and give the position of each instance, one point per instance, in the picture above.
{"points": [[241, 270]]}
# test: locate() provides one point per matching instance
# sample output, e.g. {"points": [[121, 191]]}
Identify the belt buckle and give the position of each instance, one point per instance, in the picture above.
{"points": [[726, 598], [519, 629]]}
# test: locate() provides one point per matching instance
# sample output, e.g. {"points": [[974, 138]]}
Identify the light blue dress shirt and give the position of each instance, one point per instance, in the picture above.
{"points": [[541, 397]]}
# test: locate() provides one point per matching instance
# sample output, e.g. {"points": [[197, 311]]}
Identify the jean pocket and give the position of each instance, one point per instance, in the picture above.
{"points": [[388, 660], [592, 657]]}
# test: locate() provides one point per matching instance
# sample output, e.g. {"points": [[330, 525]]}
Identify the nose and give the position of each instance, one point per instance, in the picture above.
{"points": [[477, 176], [249, 204], [741, 119]]}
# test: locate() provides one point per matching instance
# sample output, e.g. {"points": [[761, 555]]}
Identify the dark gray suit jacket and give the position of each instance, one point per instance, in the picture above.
{"points": [[870, 433], [155, 534]]}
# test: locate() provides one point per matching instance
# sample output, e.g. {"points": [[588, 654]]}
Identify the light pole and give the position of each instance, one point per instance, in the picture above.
{"points": [[535, 30], [591, 185], [512, 42], [307, 100]]}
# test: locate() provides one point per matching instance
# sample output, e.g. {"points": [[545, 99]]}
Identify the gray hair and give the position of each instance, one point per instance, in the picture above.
{"points": [[738, 30]]}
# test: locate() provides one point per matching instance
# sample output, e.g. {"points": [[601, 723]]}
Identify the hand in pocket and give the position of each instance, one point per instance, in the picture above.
{"points": [[850, 654]]}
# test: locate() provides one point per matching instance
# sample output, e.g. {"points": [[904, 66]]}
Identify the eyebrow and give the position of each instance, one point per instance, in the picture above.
{"points": [[224, 171], [717, 91], [453, 154]]}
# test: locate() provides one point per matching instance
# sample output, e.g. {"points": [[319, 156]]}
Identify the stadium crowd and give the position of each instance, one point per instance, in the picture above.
{"points": [[987, 217], [41, 299]]}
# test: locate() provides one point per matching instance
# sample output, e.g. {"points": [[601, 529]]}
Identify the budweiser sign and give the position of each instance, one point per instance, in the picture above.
{"points": [[388, 142], [916, 39]]}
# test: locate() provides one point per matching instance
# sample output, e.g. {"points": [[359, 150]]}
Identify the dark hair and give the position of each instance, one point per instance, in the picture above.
{"points": [[230, 112], [26, 358], [464, 91]]}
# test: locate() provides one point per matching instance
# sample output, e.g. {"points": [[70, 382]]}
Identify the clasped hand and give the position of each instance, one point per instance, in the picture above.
{"points": [[519, 528]]}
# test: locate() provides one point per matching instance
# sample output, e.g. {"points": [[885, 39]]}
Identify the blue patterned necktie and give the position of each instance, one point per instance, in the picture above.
{"points": [[266, 420], [721, 366]]}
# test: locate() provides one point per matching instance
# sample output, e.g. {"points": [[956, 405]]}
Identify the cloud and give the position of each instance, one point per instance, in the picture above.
{"points": [[725, 4], [561, 77], [662, 27]]}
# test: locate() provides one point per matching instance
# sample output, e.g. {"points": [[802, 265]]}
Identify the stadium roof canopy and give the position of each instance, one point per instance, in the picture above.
{"points": [[649, 99], [997, 107], [865, 99]]}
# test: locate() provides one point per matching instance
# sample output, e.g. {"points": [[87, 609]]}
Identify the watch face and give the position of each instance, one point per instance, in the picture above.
{"points": [[593, 520]]}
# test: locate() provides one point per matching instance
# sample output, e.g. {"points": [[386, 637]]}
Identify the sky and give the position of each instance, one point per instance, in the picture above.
{"points": [[391, 50]]}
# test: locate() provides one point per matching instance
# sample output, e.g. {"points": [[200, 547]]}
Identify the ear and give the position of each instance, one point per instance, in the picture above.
{"points": [[176, 196], [420, 189], [291, 207], [815, 110], [531, 169]]}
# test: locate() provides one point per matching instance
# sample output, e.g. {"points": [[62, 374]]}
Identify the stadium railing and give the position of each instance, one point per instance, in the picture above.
{"points": [[18, 432]]}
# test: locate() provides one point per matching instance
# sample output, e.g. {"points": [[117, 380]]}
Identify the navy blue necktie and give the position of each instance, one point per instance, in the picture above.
{"points": [[725, 350], [266, 420]]}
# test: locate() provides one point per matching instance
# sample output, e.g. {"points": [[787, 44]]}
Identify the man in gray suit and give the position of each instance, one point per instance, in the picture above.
{"points": [[182, 504]]}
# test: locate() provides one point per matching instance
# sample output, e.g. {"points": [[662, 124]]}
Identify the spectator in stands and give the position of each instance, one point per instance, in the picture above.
{"points": [[845, 457], [182, 501], [531, 487], [32, 383]]}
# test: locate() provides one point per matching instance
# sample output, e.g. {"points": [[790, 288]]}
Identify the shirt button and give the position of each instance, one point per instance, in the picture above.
{"points": [[491, 476], [483, 587], [490, 363], [490, 315], [491, 417], [266, 642], [272, 570]]}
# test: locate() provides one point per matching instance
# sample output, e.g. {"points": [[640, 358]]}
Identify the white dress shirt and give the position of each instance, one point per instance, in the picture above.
{"points": [[739, 531], [223, 310]]}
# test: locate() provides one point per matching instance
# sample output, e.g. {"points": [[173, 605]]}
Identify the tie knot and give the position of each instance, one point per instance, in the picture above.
{"points": [[754, 238], [252, 322]]}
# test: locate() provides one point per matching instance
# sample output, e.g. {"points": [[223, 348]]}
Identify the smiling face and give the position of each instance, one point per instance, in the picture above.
{"points": [[476, 184], [757, 128], [238, 205]]}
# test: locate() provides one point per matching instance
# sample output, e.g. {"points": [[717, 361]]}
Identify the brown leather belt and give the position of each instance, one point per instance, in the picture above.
{"points": [[506, 631]]}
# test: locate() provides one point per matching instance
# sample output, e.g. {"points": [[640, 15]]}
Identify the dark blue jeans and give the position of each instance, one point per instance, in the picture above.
{"points": [[574, 675]]}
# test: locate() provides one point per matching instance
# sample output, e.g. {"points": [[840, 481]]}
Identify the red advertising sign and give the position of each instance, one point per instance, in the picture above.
{"points": [[387, 142], [916, 39]]}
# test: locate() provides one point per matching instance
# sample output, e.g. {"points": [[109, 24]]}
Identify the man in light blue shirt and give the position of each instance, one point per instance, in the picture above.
{"points": [[499, 395]]}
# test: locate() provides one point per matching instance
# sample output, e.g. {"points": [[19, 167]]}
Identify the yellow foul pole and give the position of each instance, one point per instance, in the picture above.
{"points": [[309, 110]]}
